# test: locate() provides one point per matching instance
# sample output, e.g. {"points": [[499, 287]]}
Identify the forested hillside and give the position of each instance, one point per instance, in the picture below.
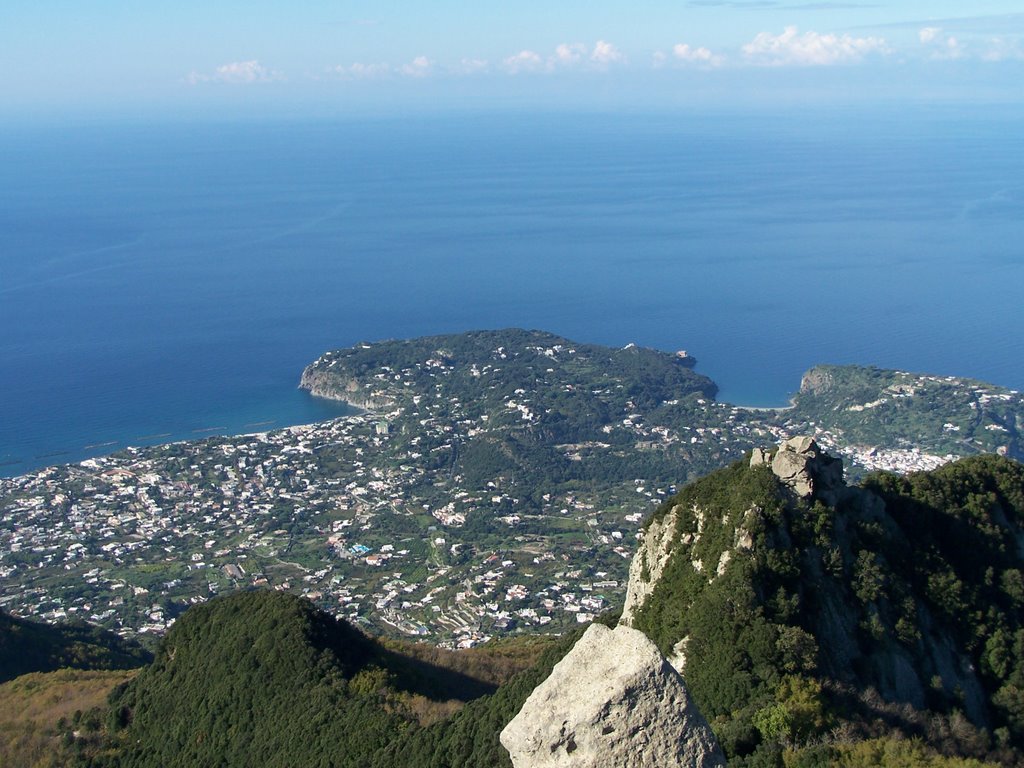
{"points": [[891, 609], [266, 674], [33, 646]]}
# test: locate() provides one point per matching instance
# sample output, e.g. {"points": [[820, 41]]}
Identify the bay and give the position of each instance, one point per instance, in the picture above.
{"points": [[163, 281]]}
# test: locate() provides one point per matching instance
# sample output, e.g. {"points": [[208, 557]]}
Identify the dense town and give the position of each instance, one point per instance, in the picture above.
{"points": [[129, 541]]}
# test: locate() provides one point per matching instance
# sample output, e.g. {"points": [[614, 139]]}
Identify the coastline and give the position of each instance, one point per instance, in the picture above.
{"points": [[767, 408], [308, 409]]}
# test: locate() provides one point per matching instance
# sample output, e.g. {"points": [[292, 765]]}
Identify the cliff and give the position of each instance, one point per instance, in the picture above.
{"points": [[320, 381]]}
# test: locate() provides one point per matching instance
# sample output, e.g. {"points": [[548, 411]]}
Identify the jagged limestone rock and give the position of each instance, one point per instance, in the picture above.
{"points": [[647, 564], [612, 701], [816, 381], [799, 463], [318, 380], [804, 467]]}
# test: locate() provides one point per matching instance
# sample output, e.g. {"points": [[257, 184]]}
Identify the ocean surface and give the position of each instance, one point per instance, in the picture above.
{"points": [[165, 281]]}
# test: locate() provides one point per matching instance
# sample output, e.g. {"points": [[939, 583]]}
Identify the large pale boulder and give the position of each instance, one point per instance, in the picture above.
{"points": [[612, 702], [808, 470]]}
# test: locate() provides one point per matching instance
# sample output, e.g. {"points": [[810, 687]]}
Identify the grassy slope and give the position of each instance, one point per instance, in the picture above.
{"points": [[33, 706]]}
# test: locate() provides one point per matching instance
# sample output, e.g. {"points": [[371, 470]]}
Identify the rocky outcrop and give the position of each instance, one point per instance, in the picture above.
{"points": [[802, 466], [612, 701], [321, 382], [878, 582], [816, 381], [648, 563], [799, 463]]}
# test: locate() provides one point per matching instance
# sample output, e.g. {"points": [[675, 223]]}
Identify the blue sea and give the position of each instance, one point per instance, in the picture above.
{"points": [[168, 280]]}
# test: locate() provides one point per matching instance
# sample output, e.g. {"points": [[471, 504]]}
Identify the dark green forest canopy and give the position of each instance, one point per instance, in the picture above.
{"points": [[32, 646], [266, 673]]}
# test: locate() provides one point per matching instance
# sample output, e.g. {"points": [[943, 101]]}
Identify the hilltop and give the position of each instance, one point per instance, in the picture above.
{"points": [[487, 368], [267, 674], [872, 416]]}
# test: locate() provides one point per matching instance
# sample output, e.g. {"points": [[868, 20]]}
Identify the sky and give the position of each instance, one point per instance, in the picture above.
{"points": [[337, 56]]}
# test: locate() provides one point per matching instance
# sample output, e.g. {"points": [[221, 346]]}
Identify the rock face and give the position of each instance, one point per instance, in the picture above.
{"points": [[799, 463], [647, 564], [816, 381], [612, 701], [803, 466], [319, 382]]}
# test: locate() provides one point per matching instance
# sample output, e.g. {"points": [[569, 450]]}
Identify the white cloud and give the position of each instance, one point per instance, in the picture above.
{"points": [[575, 54], [237, 72], [565, 56], [605, 53], [948, 47], [245, 72], [701, 56], [810, 48], [941, 46], [1001, 49], [524, 61], [568, 54], [421, 66], [952, 49]]}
